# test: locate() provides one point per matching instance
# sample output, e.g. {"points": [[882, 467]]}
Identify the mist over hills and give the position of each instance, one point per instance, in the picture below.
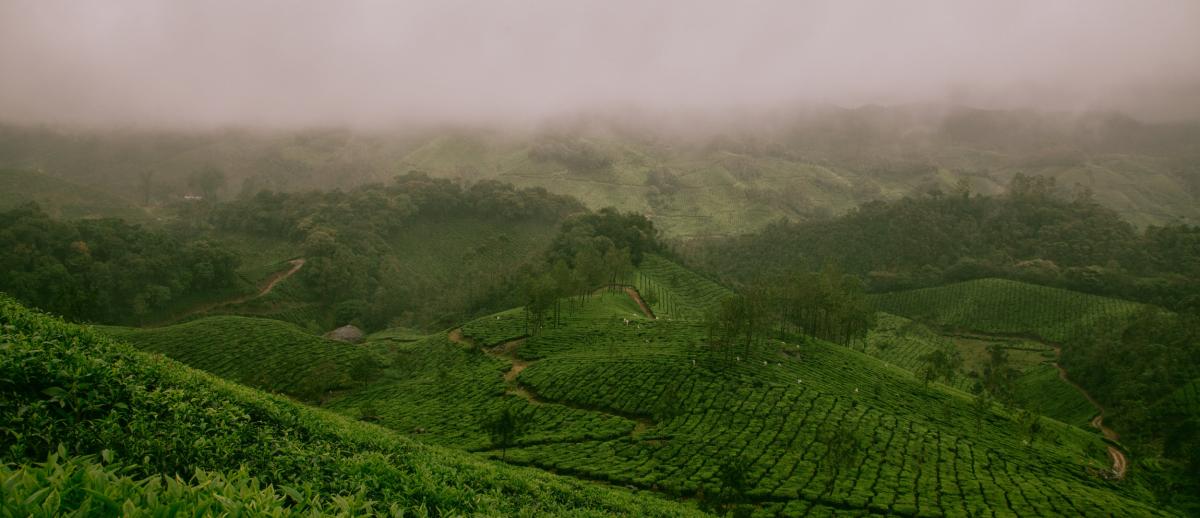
{"points": [[694, 173]]}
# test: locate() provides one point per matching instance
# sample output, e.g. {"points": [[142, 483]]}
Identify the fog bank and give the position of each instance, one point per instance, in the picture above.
{"points": [[298, 63]]}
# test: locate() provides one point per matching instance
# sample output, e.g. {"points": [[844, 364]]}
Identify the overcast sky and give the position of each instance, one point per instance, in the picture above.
{"points": [[368, 63]]}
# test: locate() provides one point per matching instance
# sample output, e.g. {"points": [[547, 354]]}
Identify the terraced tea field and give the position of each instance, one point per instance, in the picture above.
{"points": [[94, 427], [779, 412], [811, 428], [1009, 307], [266, 354], [675, 291], [817, 428], [902, 342]]}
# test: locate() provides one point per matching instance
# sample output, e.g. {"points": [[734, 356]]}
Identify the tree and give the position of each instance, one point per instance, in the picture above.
{"points": [[146, 184], [940, 363], [540, 294], [843, 445], [734, 480], [503, 428], [617, 264], [668, 405], [981, 404], [589, 267], [998, 377]]}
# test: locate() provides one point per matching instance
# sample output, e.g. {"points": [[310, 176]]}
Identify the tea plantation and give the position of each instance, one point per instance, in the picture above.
{"points": [[90, 426], [809, 428], [1009, 307], [606, 394], [267, 354]]}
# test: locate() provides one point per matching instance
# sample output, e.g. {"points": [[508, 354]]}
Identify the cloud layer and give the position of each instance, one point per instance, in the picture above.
{"points": [[288, 63]]}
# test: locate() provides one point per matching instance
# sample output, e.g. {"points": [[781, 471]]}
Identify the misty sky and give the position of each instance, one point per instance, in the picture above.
{"points": [[370, 63]]}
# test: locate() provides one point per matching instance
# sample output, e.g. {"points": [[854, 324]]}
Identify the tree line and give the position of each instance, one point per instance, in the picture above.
{"points": [[590, 251], [827, 305]]}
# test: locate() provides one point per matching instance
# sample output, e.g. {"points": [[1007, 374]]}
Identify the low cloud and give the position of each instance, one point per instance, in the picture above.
{"points": [[299, 63]]}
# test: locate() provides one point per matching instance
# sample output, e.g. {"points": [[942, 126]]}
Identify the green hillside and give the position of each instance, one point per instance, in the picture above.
{"points": [[675, 291], [64, 199], [265, 354], [809, 428], [74, 400], [719, 177], [1010, 307], [903, 342]]}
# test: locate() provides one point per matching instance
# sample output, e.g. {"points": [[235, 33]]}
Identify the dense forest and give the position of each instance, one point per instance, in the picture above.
{"points": [[1034, 233], [105, 270]]}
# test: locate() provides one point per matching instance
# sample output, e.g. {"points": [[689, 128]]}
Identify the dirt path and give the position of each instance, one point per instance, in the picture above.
{"points": [[637, 297], [279, 277], [508, 351], [275, 278], [1120, 463]]}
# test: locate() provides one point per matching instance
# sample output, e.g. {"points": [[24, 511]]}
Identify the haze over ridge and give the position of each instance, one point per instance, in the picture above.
{"points": [[282, 64]]}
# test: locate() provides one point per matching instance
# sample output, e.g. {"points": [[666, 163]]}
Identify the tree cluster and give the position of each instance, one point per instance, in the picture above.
{"points": [[104, 270], [1034, 234], [828, 305], [591, 250], [352, 266]]}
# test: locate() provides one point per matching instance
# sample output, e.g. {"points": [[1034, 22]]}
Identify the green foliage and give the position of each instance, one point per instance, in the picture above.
{"points": [[64, 388], [397, 254], [105, 270], [678, 292], [928, 241], [819, 424], [266, 354], [63, 199], [503, 428], [441, 392], [1010, 307]]}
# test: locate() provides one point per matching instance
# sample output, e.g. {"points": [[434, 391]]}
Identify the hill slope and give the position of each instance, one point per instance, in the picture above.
{"points": [[1010, 307], [66, 388], [64, 199], [265, 354], [811, 427]]}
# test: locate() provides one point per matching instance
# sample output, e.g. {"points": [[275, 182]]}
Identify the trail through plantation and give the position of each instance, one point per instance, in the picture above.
{"points": [[637, 297], [1118, 458], [275, 279], [508, 351]]}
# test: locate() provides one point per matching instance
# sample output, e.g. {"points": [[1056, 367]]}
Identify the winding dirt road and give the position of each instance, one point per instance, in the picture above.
{"points": [[275, 279], [508, 351], [1120, 463]]}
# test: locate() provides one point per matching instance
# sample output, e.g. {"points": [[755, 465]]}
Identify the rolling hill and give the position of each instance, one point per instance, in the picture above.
{"points": [[696, 178], [612, 395], [269, 355], [63, 198], [94, 426], [1010, 307]]}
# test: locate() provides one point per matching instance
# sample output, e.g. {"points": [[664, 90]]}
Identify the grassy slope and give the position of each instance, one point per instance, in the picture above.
{"points": [[64, 199], [265, 354], [66, 388], [1009, 307]]}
